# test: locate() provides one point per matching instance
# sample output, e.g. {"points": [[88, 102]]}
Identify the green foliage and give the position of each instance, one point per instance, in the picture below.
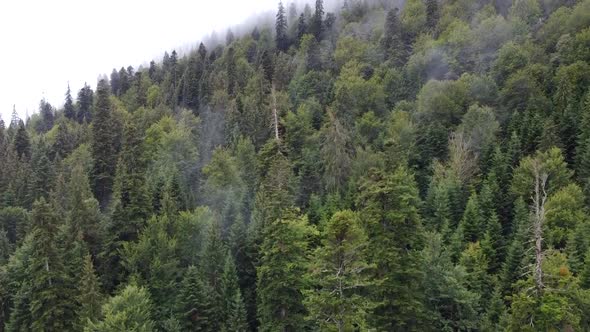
{"points": [[128, 311], [283, 259], [411, 138], [340, 275]]}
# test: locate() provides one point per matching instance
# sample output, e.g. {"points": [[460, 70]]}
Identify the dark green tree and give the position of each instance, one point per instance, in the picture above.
{"points": [[282, 262], [103, 146], [281, 37], [316, 26], [69, 110]]}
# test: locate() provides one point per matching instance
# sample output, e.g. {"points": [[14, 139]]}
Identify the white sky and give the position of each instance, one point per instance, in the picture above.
{"points": [[46, 44]]}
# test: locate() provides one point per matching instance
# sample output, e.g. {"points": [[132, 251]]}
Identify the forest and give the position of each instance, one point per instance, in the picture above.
{"points": [[383, 166]]}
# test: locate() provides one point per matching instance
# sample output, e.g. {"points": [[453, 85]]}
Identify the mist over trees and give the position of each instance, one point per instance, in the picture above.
{"points": [[359, 166]]}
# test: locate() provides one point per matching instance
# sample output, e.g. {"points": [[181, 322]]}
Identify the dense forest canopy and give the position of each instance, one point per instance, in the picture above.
{"points": [[417, 166]]}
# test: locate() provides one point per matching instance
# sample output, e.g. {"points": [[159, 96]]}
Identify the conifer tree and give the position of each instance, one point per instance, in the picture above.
{"points": [[21, 142], [103, 150], [281, 38], [340, 276], [84, 103], [283, 259], [194, 307], [214, 254], [493, 243], [69, 110], [392, 41], [317, 21], [236, 320], [89, 296], [51, 300], [513, 266], [234, 308], [301, 27], [389, 204]]}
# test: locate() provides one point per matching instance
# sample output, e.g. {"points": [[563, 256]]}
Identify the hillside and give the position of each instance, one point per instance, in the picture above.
{"points": [[390, 166]]}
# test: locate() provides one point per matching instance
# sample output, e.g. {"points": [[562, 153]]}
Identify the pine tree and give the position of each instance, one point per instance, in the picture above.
{"points": [[493, 243], [194, 307], [84, 103], [51, 304], [389, 205], [89, 296], [69, 110], [213, 271], [513, 267], [341, 276], [301, 27], [132, 200], [103, 150], [336, 155], [281, 38], [283, 259], [392, 41], [316, 24], [471, 225], [47, 117], [21, 142], [234, 309], [236, 320]]}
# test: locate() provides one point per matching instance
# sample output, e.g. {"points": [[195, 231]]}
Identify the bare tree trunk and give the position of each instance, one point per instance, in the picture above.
{"points": [[539, 218], [275, 113]]}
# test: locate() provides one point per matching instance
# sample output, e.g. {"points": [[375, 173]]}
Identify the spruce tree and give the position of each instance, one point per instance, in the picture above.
{"points": [[513, 267], [389, 203], [89, 296], [214, 254], [69, 110], [283, 259], [341, 276], [281, 38], [103, 149], [301, 27], [51, 301], [234, 309], [392, 42], [317, 21], [194, 307], [84, 102], [21, 142]]}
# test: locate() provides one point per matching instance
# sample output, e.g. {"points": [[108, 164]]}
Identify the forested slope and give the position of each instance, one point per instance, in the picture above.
{"points": [[417, 166]]}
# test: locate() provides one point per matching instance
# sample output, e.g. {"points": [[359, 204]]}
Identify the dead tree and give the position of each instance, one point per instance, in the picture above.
{"points": [[539, 199]]}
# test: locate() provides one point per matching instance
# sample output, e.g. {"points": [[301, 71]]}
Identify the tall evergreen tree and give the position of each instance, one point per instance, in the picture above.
{"points": [[341, 276], [317, 22], [84, 102], [69, 110], [21, 142], [103, 150], [281, 38], [390, 214], [282, 263], [89, 296], [194, 307]]}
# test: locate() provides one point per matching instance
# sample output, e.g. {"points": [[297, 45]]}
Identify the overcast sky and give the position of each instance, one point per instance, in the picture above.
{"points": [[46, 44]]}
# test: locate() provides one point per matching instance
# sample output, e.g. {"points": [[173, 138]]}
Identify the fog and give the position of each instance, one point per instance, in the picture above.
{"points": [[47, 44]]}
